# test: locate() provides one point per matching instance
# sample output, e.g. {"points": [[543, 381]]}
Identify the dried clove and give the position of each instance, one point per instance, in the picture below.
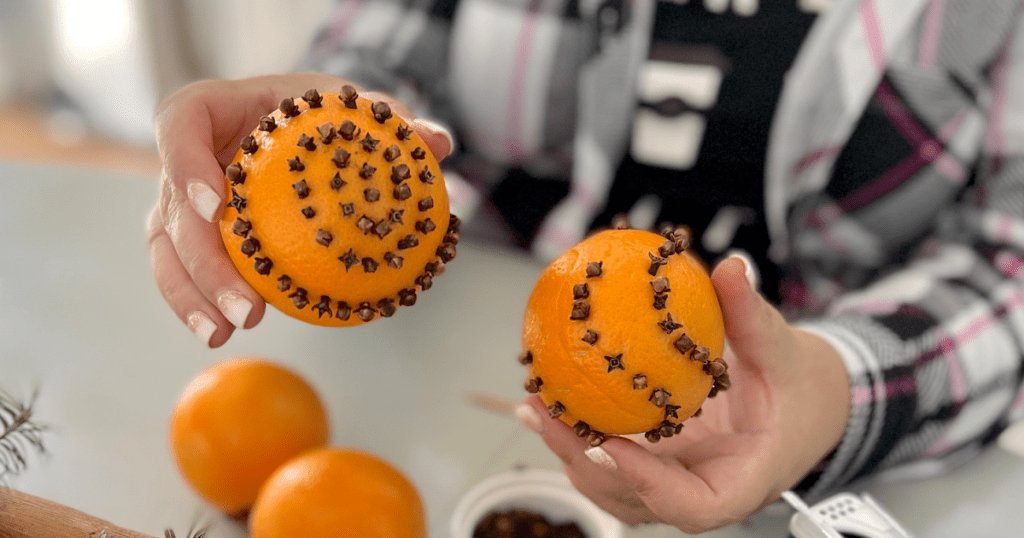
{"points": [[661, 285], [700, 354], [653, 436], [580, 291], [659, 302], [614, 362], [348, 95], [393, 261], [446, 252], [288, 107], [659, 397], [237, 201], [526, 358], [365, 312], [313, 97], [263, 266], [307, 142], [347, 210], [595, 438], [671, 411], [324, 237], [369, 143], [407, 297], [295, 165], [323, 307], [669, 324], [341, 157], [533, 385], [343, 311], [250, 246], [594, 269], [395, 216], [581, 429], [347, 130], [400, 173], [366, 171], [590, 337], [241, 227], [349, 259], [426, 176], [336, 182], [425, 203], [235, 173], [249, 145], [418, 153], [580, 310], [684, 344], [267, 124], [308, 212], [365, 224], [370, 265], [284, 283], [392, 153], [656, 263], [299, 298], [556, 409], [408, 241], [403, 132], [371, 195], [381, 111], [425, 226], [327, 132], [301, 188], [402, 192], [386, 307], [382, 228], [639, 382]]}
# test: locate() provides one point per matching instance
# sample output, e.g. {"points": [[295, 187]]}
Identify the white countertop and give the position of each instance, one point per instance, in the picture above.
{"points": [[82, 319]]}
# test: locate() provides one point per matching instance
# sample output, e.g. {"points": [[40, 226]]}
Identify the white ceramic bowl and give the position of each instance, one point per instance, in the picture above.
{"points": [[545, 492]]}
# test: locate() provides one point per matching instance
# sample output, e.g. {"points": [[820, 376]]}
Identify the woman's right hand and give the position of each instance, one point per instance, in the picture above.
{"points": [[198, 130]]}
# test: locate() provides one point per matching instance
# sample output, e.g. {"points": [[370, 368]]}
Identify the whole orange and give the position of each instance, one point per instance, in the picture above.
{"points": [[624, 334], [338, 493], [238, 421], [337, 211]]}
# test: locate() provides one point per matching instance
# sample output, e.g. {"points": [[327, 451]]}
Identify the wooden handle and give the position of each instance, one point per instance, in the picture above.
{"points": [[26, 516]]}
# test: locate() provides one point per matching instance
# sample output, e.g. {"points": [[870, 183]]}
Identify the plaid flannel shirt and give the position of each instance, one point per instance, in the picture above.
{"points": [[914, 274]]}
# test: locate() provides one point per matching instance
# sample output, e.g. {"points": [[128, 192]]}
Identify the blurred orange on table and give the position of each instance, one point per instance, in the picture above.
{"points": [[237, 422], [624, 334], [338, 493]]}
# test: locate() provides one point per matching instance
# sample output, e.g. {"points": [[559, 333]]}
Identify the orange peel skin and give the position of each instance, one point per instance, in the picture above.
{"points": [[624, 334], [337, 212]]}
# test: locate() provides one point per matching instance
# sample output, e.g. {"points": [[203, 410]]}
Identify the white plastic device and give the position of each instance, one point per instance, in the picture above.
{"points": [[841, 516]]}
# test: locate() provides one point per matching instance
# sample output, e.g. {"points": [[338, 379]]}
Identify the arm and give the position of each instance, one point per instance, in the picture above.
{"points": [[935, 350]]}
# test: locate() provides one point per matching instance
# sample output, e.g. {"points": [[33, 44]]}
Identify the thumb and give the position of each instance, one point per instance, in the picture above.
{"points": [[752, 325]]}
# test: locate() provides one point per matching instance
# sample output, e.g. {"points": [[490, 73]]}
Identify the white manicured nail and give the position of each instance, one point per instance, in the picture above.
{"points": [[748, 269], [435, 128], [529, 417], [234, 307], [203, 199], [202, 326], [601, 458]]}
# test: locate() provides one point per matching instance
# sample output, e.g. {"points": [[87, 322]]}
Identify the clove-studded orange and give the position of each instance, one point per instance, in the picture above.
{"points": [[624, 334], [337, 211]]}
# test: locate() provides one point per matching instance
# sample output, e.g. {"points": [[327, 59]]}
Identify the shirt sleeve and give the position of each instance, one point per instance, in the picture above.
{"points": [[935, 350], [400, 48]]}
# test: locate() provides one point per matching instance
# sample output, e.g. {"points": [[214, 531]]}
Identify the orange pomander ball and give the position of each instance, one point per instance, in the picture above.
{"points": [[338, 213], [624, 334]]}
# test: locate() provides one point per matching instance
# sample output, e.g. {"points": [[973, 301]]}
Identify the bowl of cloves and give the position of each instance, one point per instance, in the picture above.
{"points": [[533, 503]]}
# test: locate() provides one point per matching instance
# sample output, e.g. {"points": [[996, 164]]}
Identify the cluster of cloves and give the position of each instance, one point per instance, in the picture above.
{"points": [[326, 134]]}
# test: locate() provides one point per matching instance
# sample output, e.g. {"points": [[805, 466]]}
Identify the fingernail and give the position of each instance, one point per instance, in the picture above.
{"points": [[529, 417], [748, 269], [202, 326], [601, 458], [438, 129], [203, 199], [234, 307]]}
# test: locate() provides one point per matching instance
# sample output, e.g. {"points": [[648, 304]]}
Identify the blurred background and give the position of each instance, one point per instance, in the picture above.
{"points": [[80, 79]]}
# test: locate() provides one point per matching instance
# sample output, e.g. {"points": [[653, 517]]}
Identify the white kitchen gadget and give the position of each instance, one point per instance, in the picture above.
{"points": [[842, 516]]}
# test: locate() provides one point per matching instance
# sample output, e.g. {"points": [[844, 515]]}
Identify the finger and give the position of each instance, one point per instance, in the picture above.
{"points": [[752, 326], [437, 137], [204, 320], [192, 198]]}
